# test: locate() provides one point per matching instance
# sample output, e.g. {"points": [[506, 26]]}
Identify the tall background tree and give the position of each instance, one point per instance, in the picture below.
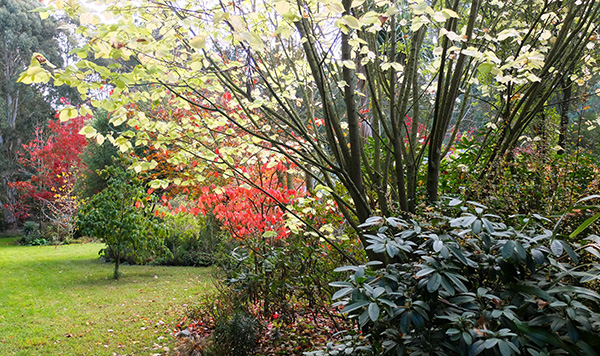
{"points": [[22, 107]]}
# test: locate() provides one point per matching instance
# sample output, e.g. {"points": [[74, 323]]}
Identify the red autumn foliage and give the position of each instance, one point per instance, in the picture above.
{"points": [[247, 201], [250, 210], [51, 162]]}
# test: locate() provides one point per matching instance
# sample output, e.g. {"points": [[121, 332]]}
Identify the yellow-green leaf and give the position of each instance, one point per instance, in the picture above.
{"points": [[67, 113], [349, 64], [450, 13], [88, 131], [198, 42], [351, 22], [485, 68]]}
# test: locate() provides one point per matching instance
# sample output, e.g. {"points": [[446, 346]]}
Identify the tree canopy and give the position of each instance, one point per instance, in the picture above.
{"points": [[22, 107], [359, 96]]}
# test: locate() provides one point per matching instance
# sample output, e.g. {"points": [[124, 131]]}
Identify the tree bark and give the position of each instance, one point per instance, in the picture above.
{"points": [[117, 263], [566, 86], [445, 98]]}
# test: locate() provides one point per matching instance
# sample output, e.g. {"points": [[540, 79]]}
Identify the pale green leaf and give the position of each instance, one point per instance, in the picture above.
{"points": [[198, 42], [351, 22]]}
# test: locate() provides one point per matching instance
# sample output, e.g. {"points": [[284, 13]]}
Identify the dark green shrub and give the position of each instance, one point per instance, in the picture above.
{"points": [[127, 255], [472, 285], [56, 234], [532, 181], [280, 277], [193, 241], [236, 335], [32, 235]]}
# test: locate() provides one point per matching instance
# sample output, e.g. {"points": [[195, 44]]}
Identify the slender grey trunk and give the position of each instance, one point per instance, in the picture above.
{"points": [[566, 85]]}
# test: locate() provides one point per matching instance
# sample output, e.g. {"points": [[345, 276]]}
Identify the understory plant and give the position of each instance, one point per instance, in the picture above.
{"points": [[544, 182], [473, 285], [280, 278], [32, 234], [279, 286], [192, 240]]}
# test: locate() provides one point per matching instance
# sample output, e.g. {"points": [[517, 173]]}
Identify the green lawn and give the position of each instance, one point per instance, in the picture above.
{"points": [[62, 301]]}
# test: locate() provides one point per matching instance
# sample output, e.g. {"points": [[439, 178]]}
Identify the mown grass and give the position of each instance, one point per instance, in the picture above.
{"points": [[62, 301]]}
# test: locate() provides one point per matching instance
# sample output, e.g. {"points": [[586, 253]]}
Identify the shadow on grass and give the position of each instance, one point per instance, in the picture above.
{"points": [[8, 240], [130, 274]]}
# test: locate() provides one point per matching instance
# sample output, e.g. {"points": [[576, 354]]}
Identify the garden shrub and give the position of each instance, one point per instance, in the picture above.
{"points": [[281, 277], [286, 274], [236, 335], [472, 285], [193, 241], [32, 234], [57, 234], [532, 181], [31, 228], [282, 284]]}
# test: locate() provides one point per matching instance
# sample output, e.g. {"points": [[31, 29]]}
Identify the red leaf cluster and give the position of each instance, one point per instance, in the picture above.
{"points": [[51, 160]]}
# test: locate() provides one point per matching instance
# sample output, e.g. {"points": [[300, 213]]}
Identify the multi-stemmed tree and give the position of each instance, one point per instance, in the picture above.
{"points": [[338, 88]]}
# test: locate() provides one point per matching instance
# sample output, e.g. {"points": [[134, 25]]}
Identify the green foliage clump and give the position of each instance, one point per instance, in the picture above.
{"points": [[193, 241], [473, 285], [236, 335], [98, 156], [32, 234], [120, 217], [532, 181], [281, 276]]}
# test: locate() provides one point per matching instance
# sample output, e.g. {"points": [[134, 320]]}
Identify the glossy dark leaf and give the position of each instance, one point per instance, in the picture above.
{"points": [[569, 251], [572, 331], [520, 250], [342, 293], [434, 282], [538, 256], [505, 350], [556, 247], [373, 311], [489, 343], [477, 348], [345, 268], [461, 257], [437, 245], [476, 227], [355, 306], [455, 202], [466, 336], [508, 249], [579, 291]]}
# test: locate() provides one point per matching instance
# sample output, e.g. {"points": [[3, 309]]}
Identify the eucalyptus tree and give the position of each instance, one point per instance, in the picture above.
{"points": [[22, 107], [360, 95]]}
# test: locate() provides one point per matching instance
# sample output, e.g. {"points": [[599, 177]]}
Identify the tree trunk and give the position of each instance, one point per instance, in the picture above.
{"points": [[566, 85], [117, 263], [448, 90]]}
